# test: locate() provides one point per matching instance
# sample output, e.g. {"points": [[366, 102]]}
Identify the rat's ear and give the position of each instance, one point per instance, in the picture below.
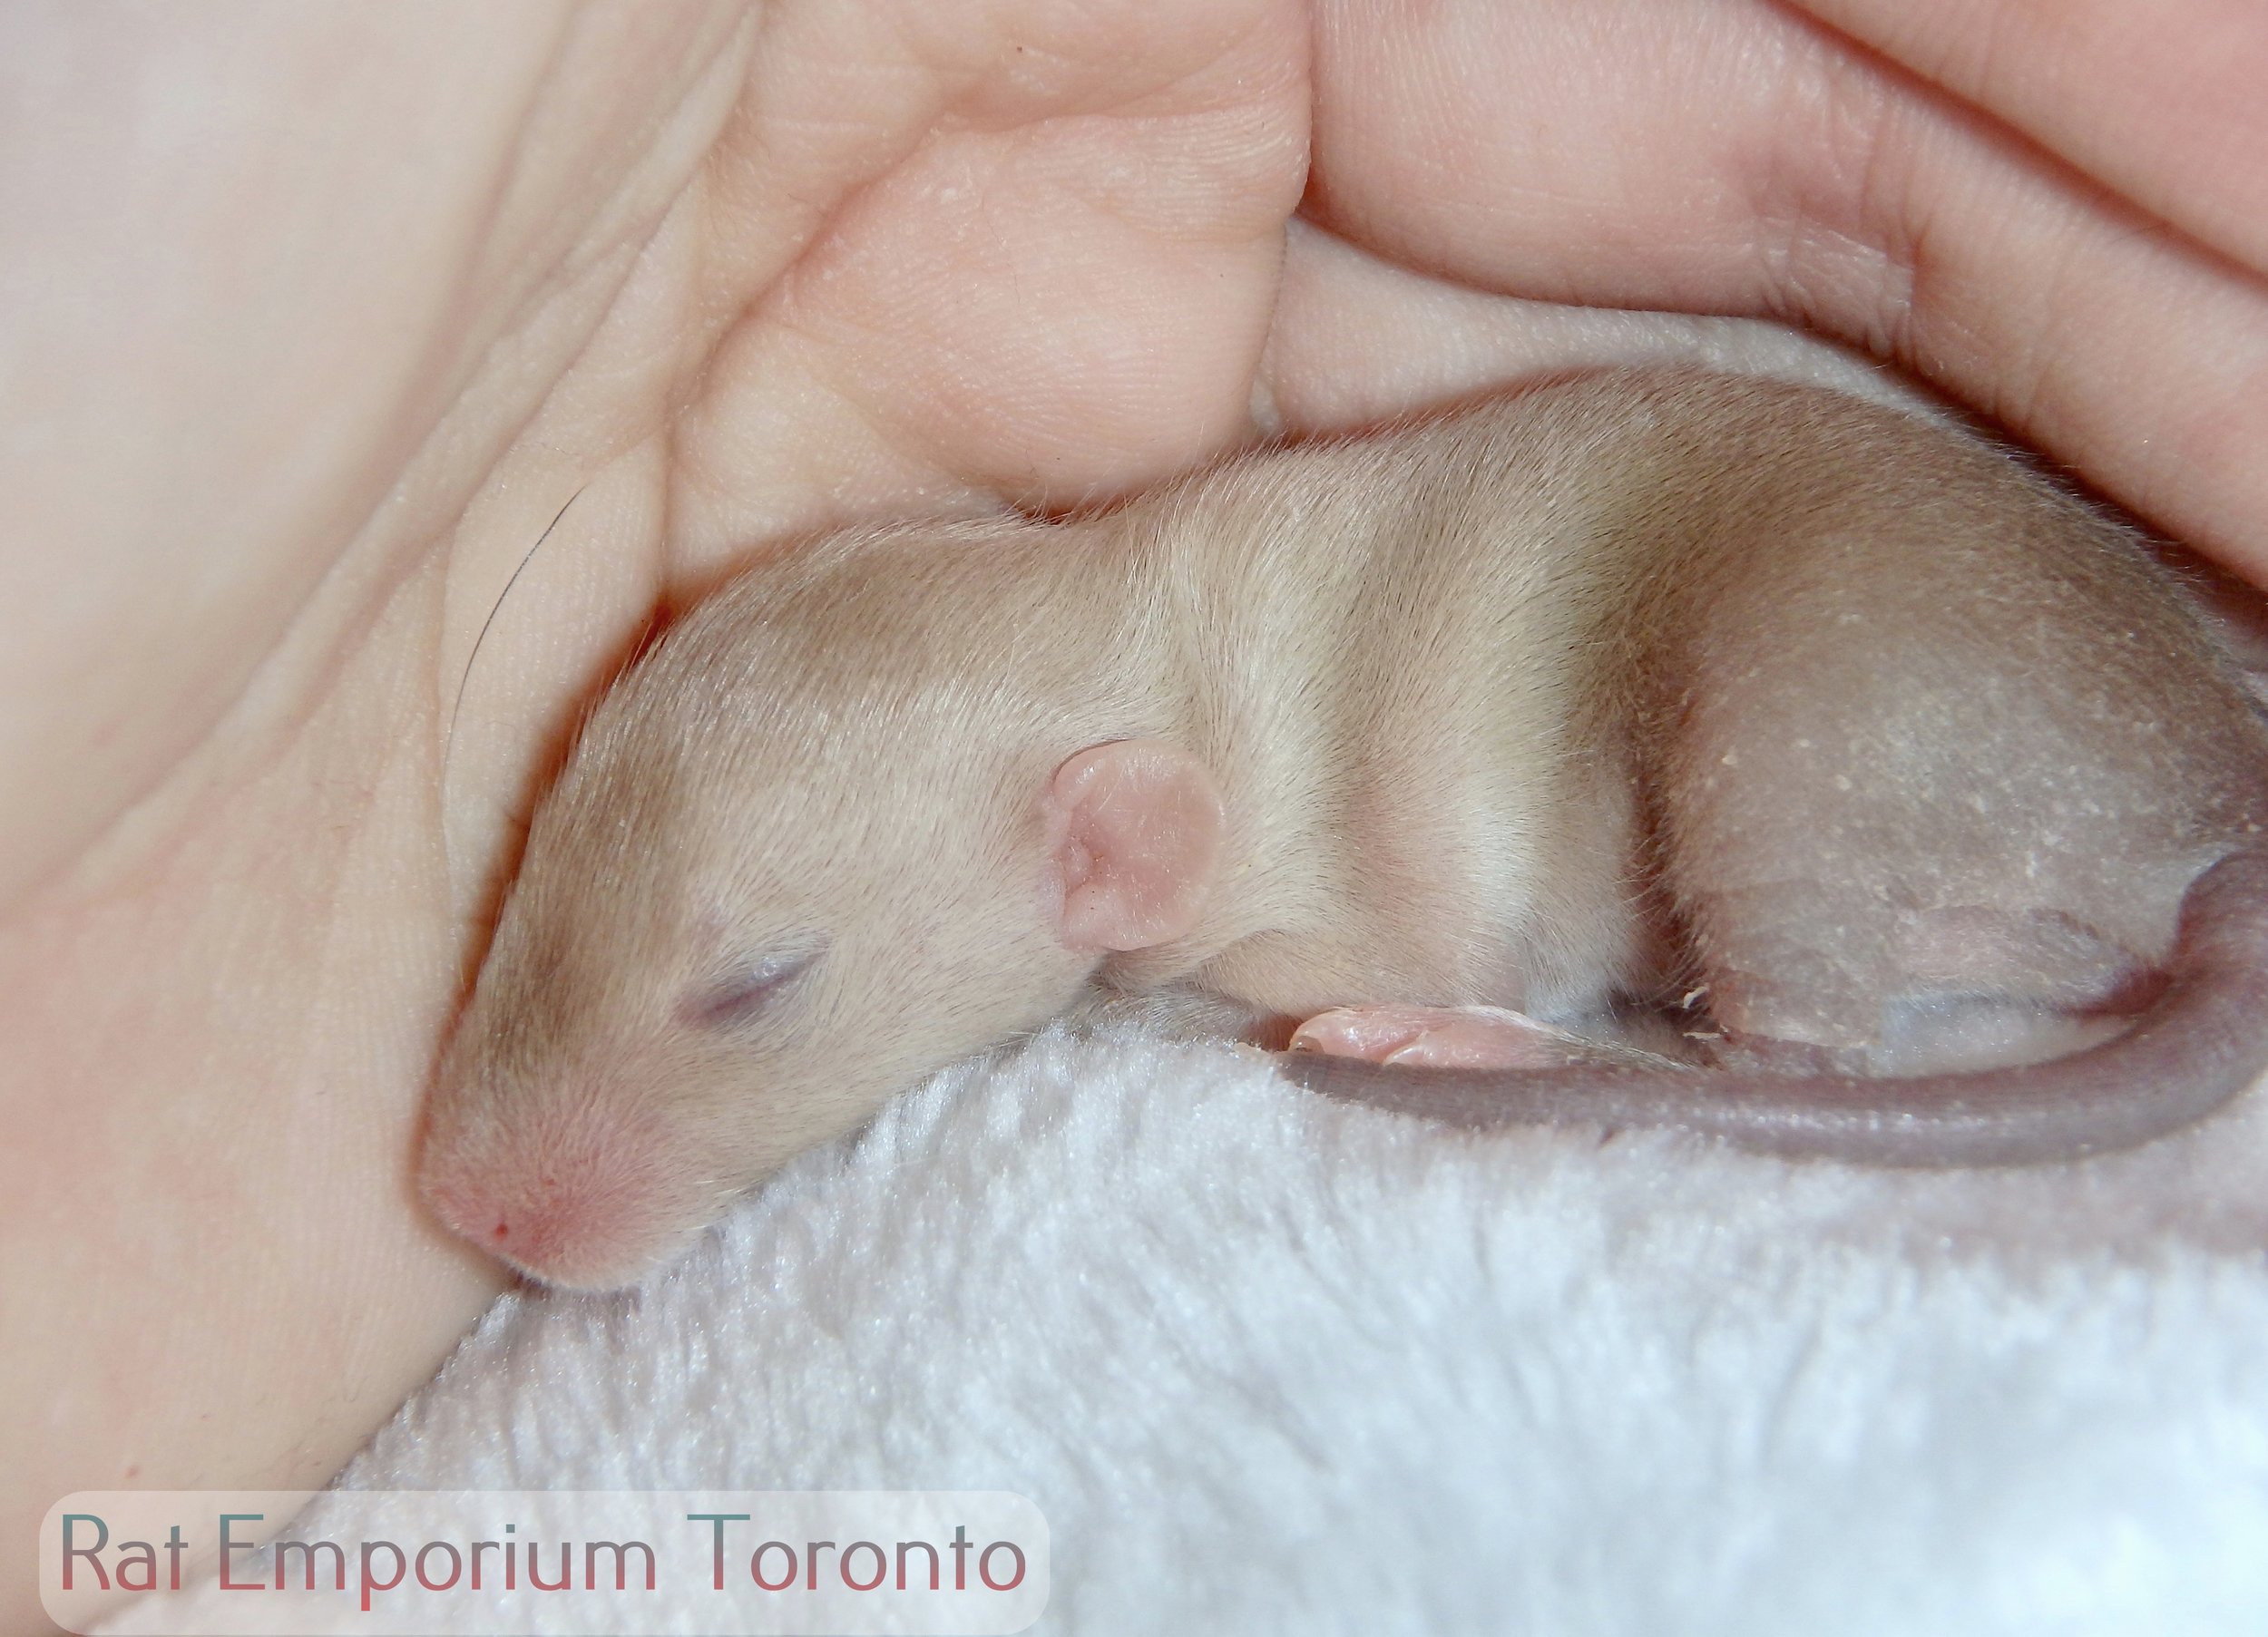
{"points": [[1134, 831]]}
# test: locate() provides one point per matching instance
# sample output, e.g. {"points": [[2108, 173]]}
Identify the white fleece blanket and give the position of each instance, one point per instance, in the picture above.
{"points": [[1269, 1364]]}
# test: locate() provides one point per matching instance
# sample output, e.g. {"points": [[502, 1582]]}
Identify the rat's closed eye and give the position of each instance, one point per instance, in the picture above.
{"points": [[746, 992]]}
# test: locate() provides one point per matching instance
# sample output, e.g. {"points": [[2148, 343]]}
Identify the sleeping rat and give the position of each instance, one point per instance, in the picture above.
{"points": [[1851, 737]]}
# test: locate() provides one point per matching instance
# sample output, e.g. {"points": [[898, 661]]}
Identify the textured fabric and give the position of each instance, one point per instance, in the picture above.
{"points": [[1272, 1365]]}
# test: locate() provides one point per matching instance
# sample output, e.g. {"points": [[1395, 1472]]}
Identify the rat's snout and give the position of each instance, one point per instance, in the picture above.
{"points": [[581, 1199]]}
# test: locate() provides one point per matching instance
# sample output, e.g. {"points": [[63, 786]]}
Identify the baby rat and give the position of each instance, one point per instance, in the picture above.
{"points": [[1577, 700]]}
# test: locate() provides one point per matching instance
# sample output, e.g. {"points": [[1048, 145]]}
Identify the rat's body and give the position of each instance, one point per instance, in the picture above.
{"points": [[1582, 697]]}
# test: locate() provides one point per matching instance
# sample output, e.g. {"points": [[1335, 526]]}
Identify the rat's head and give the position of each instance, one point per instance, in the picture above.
{"points": [[779, 879]]}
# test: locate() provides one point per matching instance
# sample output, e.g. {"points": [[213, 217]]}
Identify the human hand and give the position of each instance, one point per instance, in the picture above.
{"points": [[313, 323]]}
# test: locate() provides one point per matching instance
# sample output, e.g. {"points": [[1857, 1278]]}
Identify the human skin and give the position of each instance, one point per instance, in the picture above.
{"points": [[312, 320]]}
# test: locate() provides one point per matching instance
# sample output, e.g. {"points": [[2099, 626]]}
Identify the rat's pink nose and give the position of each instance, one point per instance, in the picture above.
{"points": [[576, 1201], [528, 1230]]}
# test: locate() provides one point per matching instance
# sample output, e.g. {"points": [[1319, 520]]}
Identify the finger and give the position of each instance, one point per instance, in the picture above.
{"points": [[1357, 339], [2161, 103], [1730, 158], [1045, 271]]}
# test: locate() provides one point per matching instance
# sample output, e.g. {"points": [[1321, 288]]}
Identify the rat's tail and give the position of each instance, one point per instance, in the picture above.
{"points": [[2201, 1042]]}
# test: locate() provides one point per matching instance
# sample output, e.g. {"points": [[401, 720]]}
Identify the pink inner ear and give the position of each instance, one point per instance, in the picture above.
{"points": [[1138, 827]]}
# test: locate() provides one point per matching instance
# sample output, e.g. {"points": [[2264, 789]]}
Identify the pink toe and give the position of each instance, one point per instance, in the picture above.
{"points": [[1435, 1037], [1371, 1033]]}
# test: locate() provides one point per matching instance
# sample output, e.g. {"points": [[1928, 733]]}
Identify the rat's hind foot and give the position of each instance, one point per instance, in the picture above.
{"points": [[1450, 1036]]}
